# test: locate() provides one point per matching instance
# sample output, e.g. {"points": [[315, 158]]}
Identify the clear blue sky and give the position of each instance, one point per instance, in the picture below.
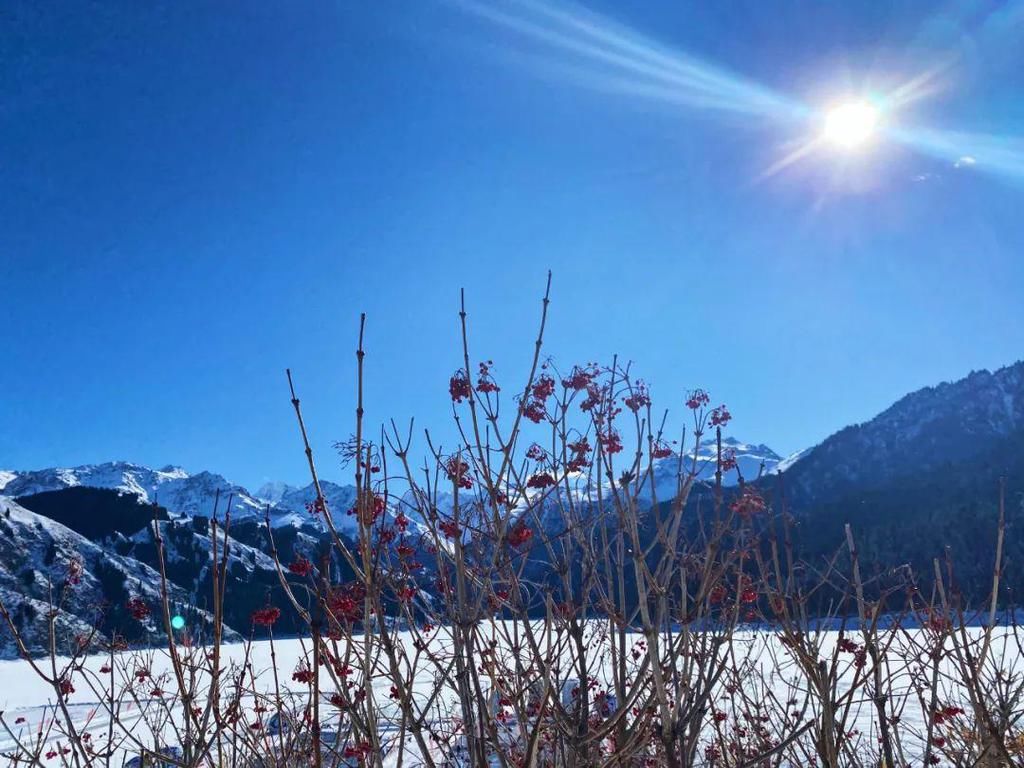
{"points": [[195, 197]]}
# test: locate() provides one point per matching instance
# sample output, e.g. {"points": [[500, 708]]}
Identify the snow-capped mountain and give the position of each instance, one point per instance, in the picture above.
{"points": [[751, 461], [792, 459], [273, 491], [171, 487], [103, 516], [289, 502], [184, 494], [187, 495]]}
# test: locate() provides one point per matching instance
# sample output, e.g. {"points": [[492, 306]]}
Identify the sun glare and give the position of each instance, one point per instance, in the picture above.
{"points": [[851, 124]]}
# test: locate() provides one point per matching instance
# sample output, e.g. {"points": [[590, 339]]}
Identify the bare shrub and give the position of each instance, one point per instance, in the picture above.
{"points": [[539, 594]]}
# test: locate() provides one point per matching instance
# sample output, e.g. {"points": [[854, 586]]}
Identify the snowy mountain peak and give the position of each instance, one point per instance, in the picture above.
{"points": [[124, 476], [186, 494], [6, 476], [740, 448], [172, 471], [273, 491], [751, 460]]}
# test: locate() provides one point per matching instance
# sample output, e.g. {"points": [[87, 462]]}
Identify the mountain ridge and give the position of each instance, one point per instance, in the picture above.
{"points": [[197, 494], [184, 494], [933, 426]]}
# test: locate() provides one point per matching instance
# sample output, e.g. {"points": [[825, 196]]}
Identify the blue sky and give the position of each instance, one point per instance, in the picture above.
{"points": [[196, 196]]}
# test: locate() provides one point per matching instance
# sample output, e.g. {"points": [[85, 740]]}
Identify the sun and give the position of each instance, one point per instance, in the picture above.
{"points": [[851, 124]]}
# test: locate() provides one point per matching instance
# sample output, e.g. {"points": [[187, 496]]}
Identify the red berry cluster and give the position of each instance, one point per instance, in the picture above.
{"points": [[748, 504], [536, 453], [698, 398], [595, 397], [639, 397], [373, 508], [940, 716], [534, 410], [661, 450], [485, 383], [358, 751], [317, 507], [610, 440], [860, 655], [458, 472], [459, 387], [301, 566], [728, 459], [540, 480], [543, 387], [345, 601], [519, 534], [265, 617], [535, 406], [138, 608], [580, 378], [720, 416], [580, 455]]}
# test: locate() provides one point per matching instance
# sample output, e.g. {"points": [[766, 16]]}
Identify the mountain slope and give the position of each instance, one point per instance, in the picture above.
{"points": [[949, 424], [37, 554], [96, 513], [921, 481]]}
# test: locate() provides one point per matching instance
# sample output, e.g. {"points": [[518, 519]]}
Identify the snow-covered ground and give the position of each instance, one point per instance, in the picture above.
{"points": [[768, 669]]}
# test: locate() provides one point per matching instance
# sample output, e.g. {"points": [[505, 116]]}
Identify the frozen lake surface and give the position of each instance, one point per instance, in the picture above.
{"points": [[769, 673]]}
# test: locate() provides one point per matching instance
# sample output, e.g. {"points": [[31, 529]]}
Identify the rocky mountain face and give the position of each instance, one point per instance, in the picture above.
{"points": [[171, 487], [290, 503], [91, 580], [108, 539]]}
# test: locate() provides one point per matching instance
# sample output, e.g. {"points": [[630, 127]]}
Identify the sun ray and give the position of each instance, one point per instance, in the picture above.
{"points": [[595, 52], [988, 153], [918, 87], [620, 54], [802, 151]]}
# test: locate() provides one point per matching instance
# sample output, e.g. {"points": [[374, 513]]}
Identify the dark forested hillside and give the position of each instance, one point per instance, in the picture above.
{"points": [[94, 512], [921, 481], [951, 429]]}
